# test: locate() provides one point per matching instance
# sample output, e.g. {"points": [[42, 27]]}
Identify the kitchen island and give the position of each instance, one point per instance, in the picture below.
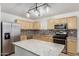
{"points": [[33, 47]]}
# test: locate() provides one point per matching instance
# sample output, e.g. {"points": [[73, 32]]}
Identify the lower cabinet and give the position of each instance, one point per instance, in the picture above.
{"points": [[23, 37], [47, 38], [72, 45]]}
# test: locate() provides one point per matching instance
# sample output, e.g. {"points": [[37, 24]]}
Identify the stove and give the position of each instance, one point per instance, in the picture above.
{"points": [[60, 34]]}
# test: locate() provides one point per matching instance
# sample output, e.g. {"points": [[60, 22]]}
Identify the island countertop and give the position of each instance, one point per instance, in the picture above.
{"points": [[40, 48]]}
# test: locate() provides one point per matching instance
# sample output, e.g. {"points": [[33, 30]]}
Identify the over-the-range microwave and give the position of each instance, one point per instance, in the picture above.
{"points": [[60, 26]]}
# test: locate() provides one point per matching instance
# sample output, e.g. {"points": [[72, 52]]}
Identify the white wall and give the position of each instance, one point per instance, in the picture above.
{"points": [[62, 16], [43, 24]]}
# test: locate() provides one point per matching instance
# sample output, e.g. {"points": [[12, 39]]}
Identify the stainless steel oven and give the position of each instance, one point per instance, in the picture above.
{"points": [[60, 33]]}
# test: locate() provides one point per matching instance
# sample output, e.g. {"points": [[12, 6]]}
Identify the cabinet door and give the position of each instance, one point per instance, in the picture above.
{"points": [[50, 24], [47, 38], [23, 37], [25, 24], [43, 38], [71, 46], [56, 21], [53, 22], [30, 25], [62, 21], [36, 25], [20, 23], [72, 22], [38, 37]]}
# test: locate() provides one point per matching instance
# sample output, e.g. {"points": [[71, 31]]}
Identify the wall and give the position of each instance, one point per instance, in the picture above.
{"points": [[43, 24], [62, 16]]}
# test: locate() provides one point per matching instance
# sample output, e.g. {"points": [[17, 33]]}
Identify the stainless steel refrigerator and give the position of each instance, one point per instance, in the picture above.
{"points": [[10, 32]]}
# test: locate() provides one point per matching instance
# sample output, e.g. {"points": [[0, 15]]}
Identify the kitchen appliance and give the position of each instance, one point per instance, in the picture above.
{"points": [[10, 32], [61, 26], [60, 37], [60, 34]]}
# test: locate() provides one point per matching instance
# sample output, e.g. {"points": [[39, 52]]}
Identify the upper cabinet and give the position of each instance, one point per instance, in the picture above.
{"points": [[25, 24], [36, 25], [28, 25], [50, 24], [53, 22], [62, 21], [72, 22]]}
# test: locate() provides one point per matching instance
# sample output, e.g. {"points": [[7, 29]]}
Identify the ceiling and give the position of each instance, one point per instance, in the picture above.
{"points": [[20, 9]]}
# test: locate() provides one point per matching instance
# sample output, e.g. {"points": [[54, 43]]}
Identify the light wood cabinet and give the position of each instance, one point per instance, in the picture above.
{"points": [[71, 45], [53, 22], [36, 25], [28, 25], [25, 24], [62, 21], [46, 38], [38, 37], [23, 37], [56, 21], [72, 22], [50, 24], [20, 23]]}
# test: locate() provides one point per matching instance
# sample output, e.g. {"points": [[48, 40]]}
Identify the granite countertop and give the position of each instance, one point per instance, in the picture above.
{"points": [[41, 48]]}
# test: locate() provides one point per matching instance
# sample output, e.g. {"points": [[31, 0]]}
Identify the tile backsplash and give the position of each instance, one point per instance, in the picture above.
{"points": [[72, 33], [48, 32]]}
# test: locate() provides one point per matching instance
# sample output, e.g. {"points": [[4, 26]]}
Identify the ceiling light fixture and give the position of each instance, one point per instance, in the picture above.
{"points": [[47, 8], [37, 13], [36, 9], [28, 14]]}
